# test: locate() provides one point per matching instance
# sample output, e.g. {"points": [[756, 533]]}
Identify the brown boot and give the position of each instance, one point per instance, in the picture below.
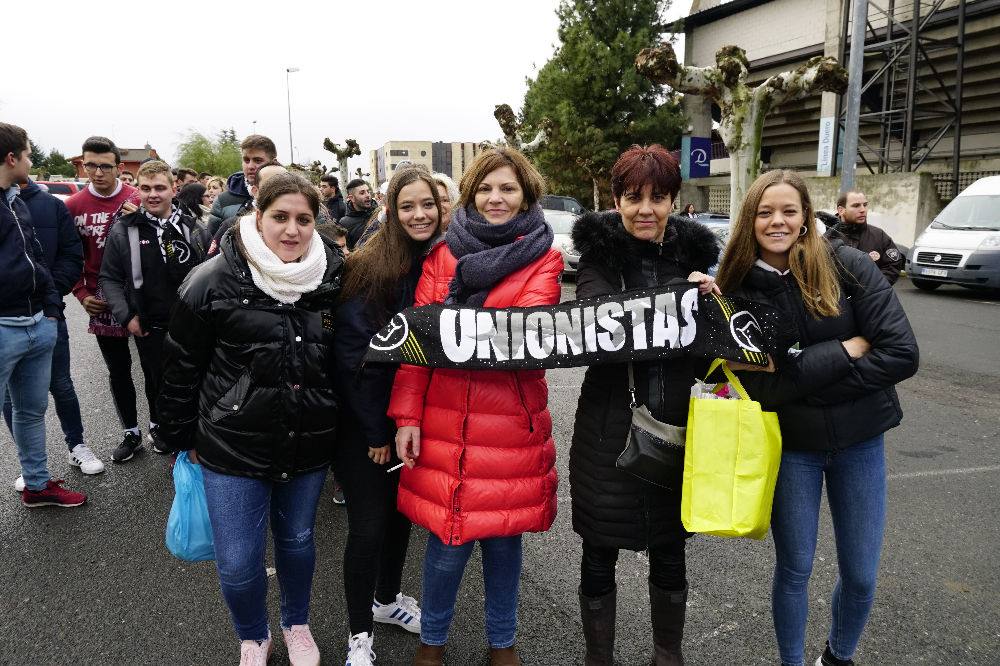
{"points": [[598, 616], [667, 610], [504, 657], [429, 655]]}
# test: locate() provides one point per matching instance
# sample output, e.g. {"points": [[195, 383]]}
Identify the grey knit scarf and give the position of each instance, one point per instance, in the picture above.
{"points": [[487, 253]]}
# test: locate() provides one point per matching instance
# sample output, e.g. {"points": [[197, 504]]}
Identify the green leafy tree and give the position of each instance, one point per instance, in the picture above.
{"points": [[220, 156], [57, 165], [597, 102]]}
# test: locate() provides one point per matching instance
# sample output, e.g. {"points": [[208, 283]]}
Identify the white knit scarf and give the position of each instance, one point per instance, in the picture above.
{"points": [[283, 282]]}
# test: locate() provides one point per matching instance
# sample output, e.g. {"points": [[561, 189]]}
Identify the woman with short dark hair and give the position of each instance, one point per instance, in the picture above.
{"points": [[248, 388], [635, 246]]}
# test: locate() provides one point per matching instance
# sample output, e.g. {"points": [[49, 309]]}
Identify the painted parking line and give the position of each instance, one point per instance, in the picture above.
{"points": [[945, 472]]}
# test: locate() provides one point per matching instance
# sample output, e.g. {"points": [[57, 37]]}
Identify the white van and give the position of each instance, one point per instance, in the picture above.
{"points": [[962, 245]]}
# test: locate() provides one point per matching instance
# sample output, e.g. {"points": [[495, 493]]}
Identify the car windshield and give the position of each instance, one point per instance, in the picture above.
{"points": [[58, 188], [561, 223], [970, 212]]}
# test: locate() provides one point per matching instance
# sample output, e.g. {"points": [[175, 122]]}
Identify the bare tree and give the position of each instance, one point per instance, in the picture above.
{"points": [[594, 173], [743, 107], [350, 149], [512, 130]]}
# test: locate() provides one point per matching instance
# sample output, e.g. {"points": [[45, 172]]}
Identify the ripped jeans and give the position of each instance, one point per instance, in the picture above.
{"points": [[238, 508]]}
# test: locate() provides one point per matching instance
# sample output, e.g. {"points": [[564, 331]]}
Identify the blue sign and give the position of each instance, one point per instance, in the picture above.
{"points": [[696, 157]]}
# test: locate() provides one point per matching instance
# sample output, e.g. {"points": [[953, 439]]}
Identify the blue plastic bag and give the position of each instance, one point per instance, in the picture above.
{"points": [[189, 532]]}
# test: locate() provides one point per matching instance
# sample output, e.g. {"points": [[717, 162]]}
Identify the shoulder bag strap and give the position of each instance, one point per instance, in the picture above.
{"points": [[133, 249]]}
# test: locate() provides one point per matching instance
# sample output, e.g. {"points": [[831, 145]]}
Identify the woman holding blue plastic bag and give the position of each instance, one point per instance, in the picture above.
{"points": [[835, 398], [248, 386]]}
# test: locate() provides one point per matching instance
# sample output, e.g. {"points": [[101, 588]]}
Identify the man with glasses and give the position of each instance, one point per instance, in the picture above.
{"points": [[95, 210]]}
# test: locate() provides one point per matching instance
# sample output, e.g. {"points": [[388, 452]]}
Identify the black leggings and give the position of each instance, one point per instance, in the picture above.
{"points": [[377, 534], [667, 570], [118, 358]]}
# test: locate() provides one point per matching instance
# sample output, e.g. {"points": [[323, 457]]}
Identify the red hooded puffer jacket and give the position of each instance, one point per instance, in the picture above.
{"points": [[487, 460]]}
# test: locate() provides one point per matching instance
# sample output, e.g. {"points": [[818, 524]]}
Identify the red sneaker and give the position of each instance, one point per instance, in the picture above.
{"points": [[53, 495]]}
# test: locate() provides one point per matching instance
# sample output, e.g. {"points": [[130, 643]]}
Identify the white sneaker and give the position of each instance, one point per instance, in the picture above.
{"points": [[81, 456], [302, 650], [359, 650], [19, 484], [253, 653], [404, 612]]}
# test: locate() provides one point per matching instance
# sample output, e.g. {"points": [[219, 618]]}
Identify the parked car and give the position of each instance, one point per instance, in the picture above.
{"points": [[562, 225], [962, 245], [718, 224], [62, 188], [556, 202]]}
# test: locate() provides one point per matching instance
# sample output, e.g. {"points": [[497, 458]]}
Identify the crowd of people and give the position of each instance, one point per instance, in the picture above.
{"points": [[252, 302]]}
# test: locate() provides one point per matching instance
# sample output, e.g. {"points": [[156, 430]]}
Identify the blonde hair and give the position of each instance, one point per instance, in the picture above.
{"points": [[215, 179], [152, 168], [809, 259]]}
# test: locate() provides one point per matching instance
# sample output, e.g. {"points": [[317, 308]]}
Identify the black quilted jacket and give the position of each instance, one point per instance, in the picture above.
{"points": [[248, 381], [612, 508]]}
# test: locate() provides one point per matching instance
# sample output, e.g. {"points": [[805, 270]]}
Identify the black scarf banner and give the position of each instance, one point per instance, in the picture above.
{"points": [[639, 325]]}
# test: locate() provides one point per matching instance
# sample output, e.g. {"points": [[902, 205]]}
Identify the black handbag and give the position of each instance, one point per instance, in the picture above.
{"points": [[654, 451]]}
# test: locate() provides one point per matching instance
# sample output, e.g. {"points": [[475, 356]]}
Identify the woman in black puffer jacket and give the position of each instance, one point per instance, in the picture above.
{"points": [[248, 385], [848, 345], [611, 508]]}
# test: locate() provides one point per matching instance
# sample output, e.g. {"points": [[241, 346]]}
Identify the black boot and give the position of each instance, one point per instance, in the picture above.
{"points": [[667, 610], [598, 615]]}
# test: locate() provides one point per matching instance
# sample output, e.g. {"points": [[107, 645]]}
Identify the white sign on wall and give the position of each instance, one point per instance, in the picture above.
{"points": [[824, 156]]}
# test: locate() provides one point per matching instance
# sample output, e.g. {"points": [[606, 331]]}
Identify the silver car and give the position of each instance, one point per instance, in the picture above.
{"points": [[562, 225]]}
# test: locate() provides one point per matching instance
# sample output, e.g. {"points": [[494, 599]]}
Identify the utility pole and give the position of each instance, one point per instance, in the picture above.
{"points": [[855, 69], [288, 94]]}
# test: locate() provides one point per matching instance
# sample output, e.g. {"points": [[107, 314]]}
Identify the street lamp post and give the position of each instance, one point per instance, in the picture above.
{"points": [[288, 94]]}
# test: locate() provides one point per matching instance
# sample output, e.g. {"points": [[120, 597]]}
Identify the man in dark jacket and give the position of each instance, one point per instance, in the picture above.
{"points": [[329, 187], [147, 256], [852, 209], [29, 310], [360, 208], [257, 150], [63, 255]]}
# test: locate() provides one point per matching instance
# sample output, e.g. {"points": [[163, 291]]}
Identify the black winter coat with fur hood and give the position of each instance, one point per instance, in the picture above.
{"points": [[612, 508]]}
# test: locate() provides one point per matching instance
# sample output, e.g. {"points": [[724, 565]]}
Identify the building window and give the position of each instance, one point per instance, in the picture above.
{"points": [[399, 153], [423, 153]]}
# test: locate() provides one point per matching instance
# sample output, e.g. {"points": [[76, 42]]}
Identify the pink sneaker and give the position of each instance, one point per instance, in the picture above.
{"points": [[54, 494], [253, 653], [302, 650]]}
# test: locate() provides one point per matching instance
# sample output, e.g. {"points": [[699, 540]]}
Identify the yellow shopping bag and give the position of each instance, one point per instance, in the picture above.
{"points": [[731, 458]]}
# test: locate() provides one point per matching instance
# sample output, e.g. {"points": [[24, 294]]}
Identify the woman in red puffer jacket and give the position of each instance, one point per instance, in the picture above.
{"points": [[480, 461]]}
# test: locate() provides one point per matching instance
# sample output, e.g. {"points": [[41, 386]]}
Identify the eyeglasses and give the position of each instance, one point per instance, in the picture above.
{"points": [[103, 168]]}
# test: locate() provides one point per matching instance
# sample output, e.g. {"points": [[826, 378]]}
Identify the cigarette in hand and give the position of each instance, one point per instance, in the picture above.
{"points": [[393, 469]]}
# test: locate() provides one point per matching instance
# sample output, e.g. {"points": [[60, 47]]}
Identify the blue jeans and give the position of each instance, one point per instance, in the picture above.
{"points": [[443, 569], [62, 390], [238, 508], [25, 368], [855, 490]]}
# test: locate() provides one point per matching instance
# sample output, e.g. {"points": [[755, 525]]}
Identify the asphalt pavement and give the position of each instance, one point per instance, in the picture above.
{"points": [[97, 586]]}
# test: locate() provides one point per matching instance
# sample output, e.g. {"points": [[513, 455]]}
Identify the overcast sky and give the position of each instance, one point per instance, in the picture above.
{"points": [[374, 70]]}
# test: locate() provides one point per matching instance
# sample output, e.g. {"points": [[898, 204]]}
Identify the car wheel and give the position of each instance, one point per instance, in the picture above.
{"points": [[926, 285]]}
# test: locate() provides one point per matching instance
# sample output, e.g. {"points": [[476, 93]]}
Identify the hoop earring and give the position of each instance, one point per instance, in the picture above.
{"points": [[803, 230]]}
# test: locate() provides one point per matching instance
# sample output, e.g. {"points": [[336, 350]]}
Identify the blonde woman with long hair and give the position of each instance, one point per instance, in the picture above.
{"points": [[849, 342]]}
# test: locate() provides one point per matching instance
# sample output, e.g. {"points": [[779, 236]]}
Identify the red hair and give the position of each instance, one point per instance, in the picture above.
{"points": [[646, 165]]}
